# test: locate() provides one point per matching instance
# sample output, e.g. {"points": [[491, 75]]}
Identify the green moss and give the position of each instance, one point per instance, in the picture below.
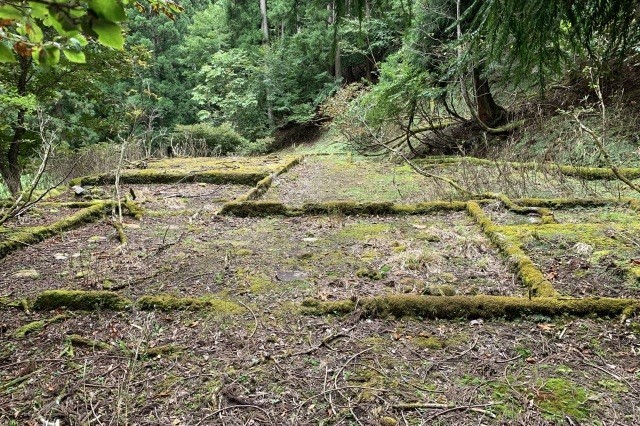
{"points": [[78, 340], [369, 273], [160, 351], [362, 231], [254, 209], [454, 307], [80, 300], [34, 235], [134, 209], [122, 236], [560, 398], [348, 208], [586, 173], [258, 282], [242, 252], [165, 176], [37, 326], [168, 302], [222, 170], [243, 208], [527, 272], [429, 342]]}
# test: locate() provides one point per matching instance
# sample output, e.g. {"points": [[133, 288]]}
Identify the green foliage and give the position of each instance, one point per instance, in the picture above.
{"points": [[232, 91], [221, 139], [42, 29], [257, 147], [537, 39]]}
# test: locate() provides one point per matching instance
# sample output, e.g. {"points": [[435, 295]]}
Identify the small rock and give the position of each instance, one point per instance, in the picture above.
{"points": [[60, 256], [27, 273], [310, 239], [79, 190], [97, 239]]}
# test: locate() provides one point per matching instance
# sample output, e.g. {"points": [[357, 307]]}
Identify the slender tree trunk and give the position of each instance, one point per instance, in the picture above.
{"points": [[9, 161], [489, 112], [264, 22], [264, 25], [337, 55]]}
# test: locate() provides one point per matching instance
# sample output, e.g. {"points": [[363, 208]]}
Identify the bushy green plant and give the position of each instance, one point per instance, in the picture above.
{"points": [[221, 139], [257, 147]]}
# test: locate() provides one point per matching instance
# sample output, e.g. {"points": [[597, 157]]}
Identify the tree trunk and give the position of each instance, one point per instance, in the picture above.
{"points": [[9, 161], [264, 21], [337, 57], [264, 25], [489, 112]]}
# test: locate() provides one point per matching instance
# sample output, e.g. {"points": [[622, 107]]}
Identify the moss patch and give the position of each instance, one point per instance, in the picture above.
{"points": [[241, 208], [80, 300], [37, 326], [167, 302], [528, 273]]}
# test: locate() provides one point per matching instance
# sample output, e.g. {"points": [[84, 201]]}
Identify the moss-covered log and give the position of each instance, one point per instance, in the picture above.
{"points": [[77, 340], [264, 184], [34, 235], [135, 209], [167, 302], [80, 300], [586, 173], [528, 273], [255, 209], [469, 307], [348, 208], [36, 326], [161, 176]]}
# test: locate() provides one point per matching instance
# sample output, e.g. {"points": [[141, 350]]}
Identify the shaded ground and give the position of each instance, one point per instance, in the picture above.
{"points": [[233, 370], [325, 257], [256, 359]]}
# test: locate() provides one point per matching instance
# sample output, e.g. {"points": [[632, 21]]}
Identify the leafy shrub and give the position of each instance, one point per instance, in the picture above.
{"points": [[257, 147], [220, 140]]}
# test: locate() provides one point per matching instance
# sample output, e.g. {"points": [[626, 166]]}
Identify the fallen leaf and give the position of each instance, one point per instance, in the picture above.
{"points": [[546, 327]]}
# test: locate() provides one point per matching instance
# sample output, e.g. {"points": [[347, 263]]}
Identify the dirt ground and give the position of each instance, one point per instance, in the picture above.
{"points": [[257, 359]]}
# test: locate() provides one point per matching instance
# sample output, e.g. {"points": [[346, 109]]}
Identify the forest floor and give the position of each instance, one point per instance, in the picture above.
{"points": [[201, 317]]}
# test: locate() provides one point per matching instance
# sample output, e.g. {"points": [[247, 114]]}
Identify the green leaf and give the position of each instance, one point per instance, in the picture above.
{"points": [[9, 12], [111, 10], [38, 10], [78, 41], [47, 55], [74, 56], [6, 54], [33, 31], [109, 34]]}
